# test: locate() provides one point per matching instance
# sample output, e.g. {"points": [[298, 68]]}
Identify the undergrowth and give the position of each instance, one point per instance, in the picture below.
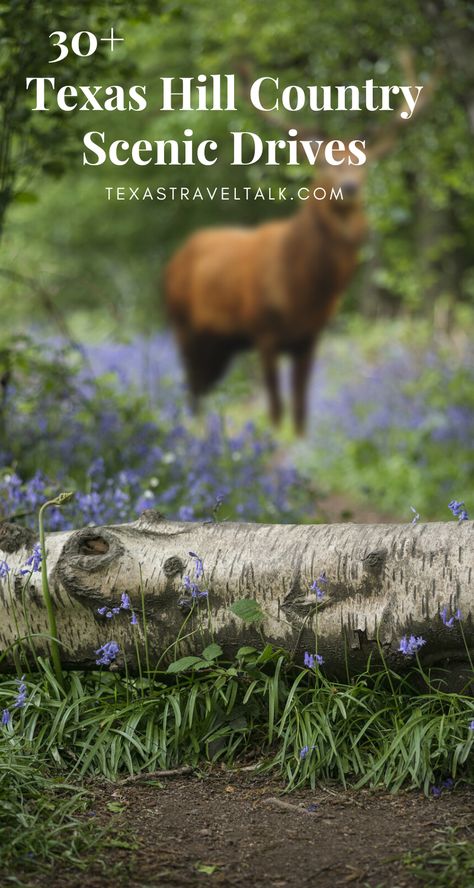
{"points": [[377, 730]]}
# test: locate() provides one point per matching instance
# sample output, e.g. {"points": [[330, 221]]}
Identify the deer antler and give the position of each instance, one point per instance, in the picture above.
{"points": [[388, 136], [245, 71]]}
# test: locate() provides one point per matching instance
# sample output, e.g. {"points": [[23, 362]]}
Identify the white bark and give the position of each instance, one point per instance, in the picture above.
{"points": [[384, 581]]}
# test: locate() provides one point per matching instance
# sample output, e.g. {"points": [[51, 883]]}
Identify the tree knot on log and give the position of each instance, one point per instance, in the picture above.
{"points": [[374, 562], [14, 537], [173, 565], [88, 551]]}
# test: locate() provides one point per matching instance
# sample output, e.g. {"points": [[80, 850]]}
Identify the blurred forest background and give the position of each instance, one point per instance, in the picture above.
{"points": [[392, 401]]}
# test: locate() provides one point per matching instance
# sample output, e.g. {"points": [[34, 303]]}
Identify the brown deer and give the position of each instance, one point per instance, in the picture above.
{"points": [[272, 288]]}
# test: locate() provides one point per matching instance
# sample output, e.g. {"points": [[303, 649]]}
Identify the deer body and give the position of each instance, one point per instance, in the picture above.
{"points": [[273, 288]]}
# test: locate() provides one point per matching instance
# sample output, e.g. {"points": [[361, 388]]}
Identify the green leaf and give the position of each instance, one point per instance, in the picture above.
{"points": [[248, 610], [245, 652], [187, 663], [212, 652], [115, 807], [207, 868]]}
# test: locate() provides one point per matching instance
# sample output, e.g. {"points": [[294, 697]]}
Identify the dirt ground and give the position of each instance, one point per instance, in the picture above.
{"points": [[237, 828]]}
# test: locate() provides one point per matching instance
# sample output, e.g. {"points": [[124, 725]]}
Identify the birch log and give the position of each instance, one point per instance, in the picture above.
{"points": [[383, 582]]}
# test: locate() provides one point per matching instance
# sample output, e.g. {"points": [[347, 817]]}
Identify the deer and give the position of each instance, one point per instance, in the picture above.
{"points": [[272, 288]]}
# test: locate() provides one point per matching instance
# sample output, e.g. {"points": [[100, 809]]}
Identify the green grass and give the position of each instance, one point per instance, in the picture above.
{"points": [[450, 862], [377, 730], [40, 810]]}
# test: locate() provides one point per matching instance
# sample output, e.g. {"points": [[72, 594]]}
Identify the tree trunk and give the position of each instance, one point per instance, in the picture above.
{"points": [[382, 582]]}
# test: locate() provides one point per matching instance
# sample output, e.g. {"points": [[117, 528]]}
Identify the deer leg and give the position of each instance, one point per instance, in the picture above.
{"points": [[268, 356], [302, 362]]}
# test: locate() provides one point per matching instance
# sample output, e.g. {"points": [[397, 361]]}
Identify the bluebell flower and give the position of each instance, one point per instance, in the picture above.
{"points": [[312, 660], [471, 726], [33, 565], [4, 569], [411, 645], [436, 791], [22, 695], [305, 750], [416, 516], [315, 586], [193, 588], [198, 566], [133, 621], [5, 717], [458, 510], [125, 602], [108, 653], [444, 617], [448, 783]]}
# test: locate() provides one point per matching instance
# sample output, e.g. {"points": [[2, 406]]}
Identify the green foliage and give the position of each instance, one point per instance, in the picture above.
{"points": [[40, 811], [378, 729], [248, 610], [395, 429], [31, 142], [449, 862], [107, 258]]}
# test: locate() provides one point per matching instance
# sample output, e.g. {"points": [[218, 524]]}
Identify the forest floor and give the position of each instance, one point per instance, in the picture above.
{"points": [[236, 828]]}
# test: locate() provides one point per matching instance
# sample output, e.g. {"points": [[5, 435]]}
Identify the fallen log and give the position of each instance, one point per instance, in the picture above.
{"points": [[374, 584]]}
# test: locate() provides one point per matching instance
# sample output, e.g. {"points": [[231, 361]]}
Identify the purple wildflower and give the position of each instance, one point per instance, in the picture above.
{"points": [[436, 791], [305, 750], [416, 516], [410, 646], [33, 565], [108, 653], [471, 726], [312, 660], [458, 510], [448, 783], [315, 587], [4, 570], [193, 588], [444, 617], [5, 717], [125, 602], [198, 566], [133, 621], [22, 695]]}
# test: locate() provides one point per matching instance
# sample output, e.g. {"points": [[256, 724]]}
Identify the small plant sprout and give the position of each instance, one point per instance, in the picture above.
{"points": [[410, 646], [458, 510]]}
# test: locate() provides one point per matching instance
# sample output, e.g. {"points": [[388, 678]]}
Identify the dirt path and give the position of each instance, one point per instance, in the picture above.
{"points": [[236, 829]]}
